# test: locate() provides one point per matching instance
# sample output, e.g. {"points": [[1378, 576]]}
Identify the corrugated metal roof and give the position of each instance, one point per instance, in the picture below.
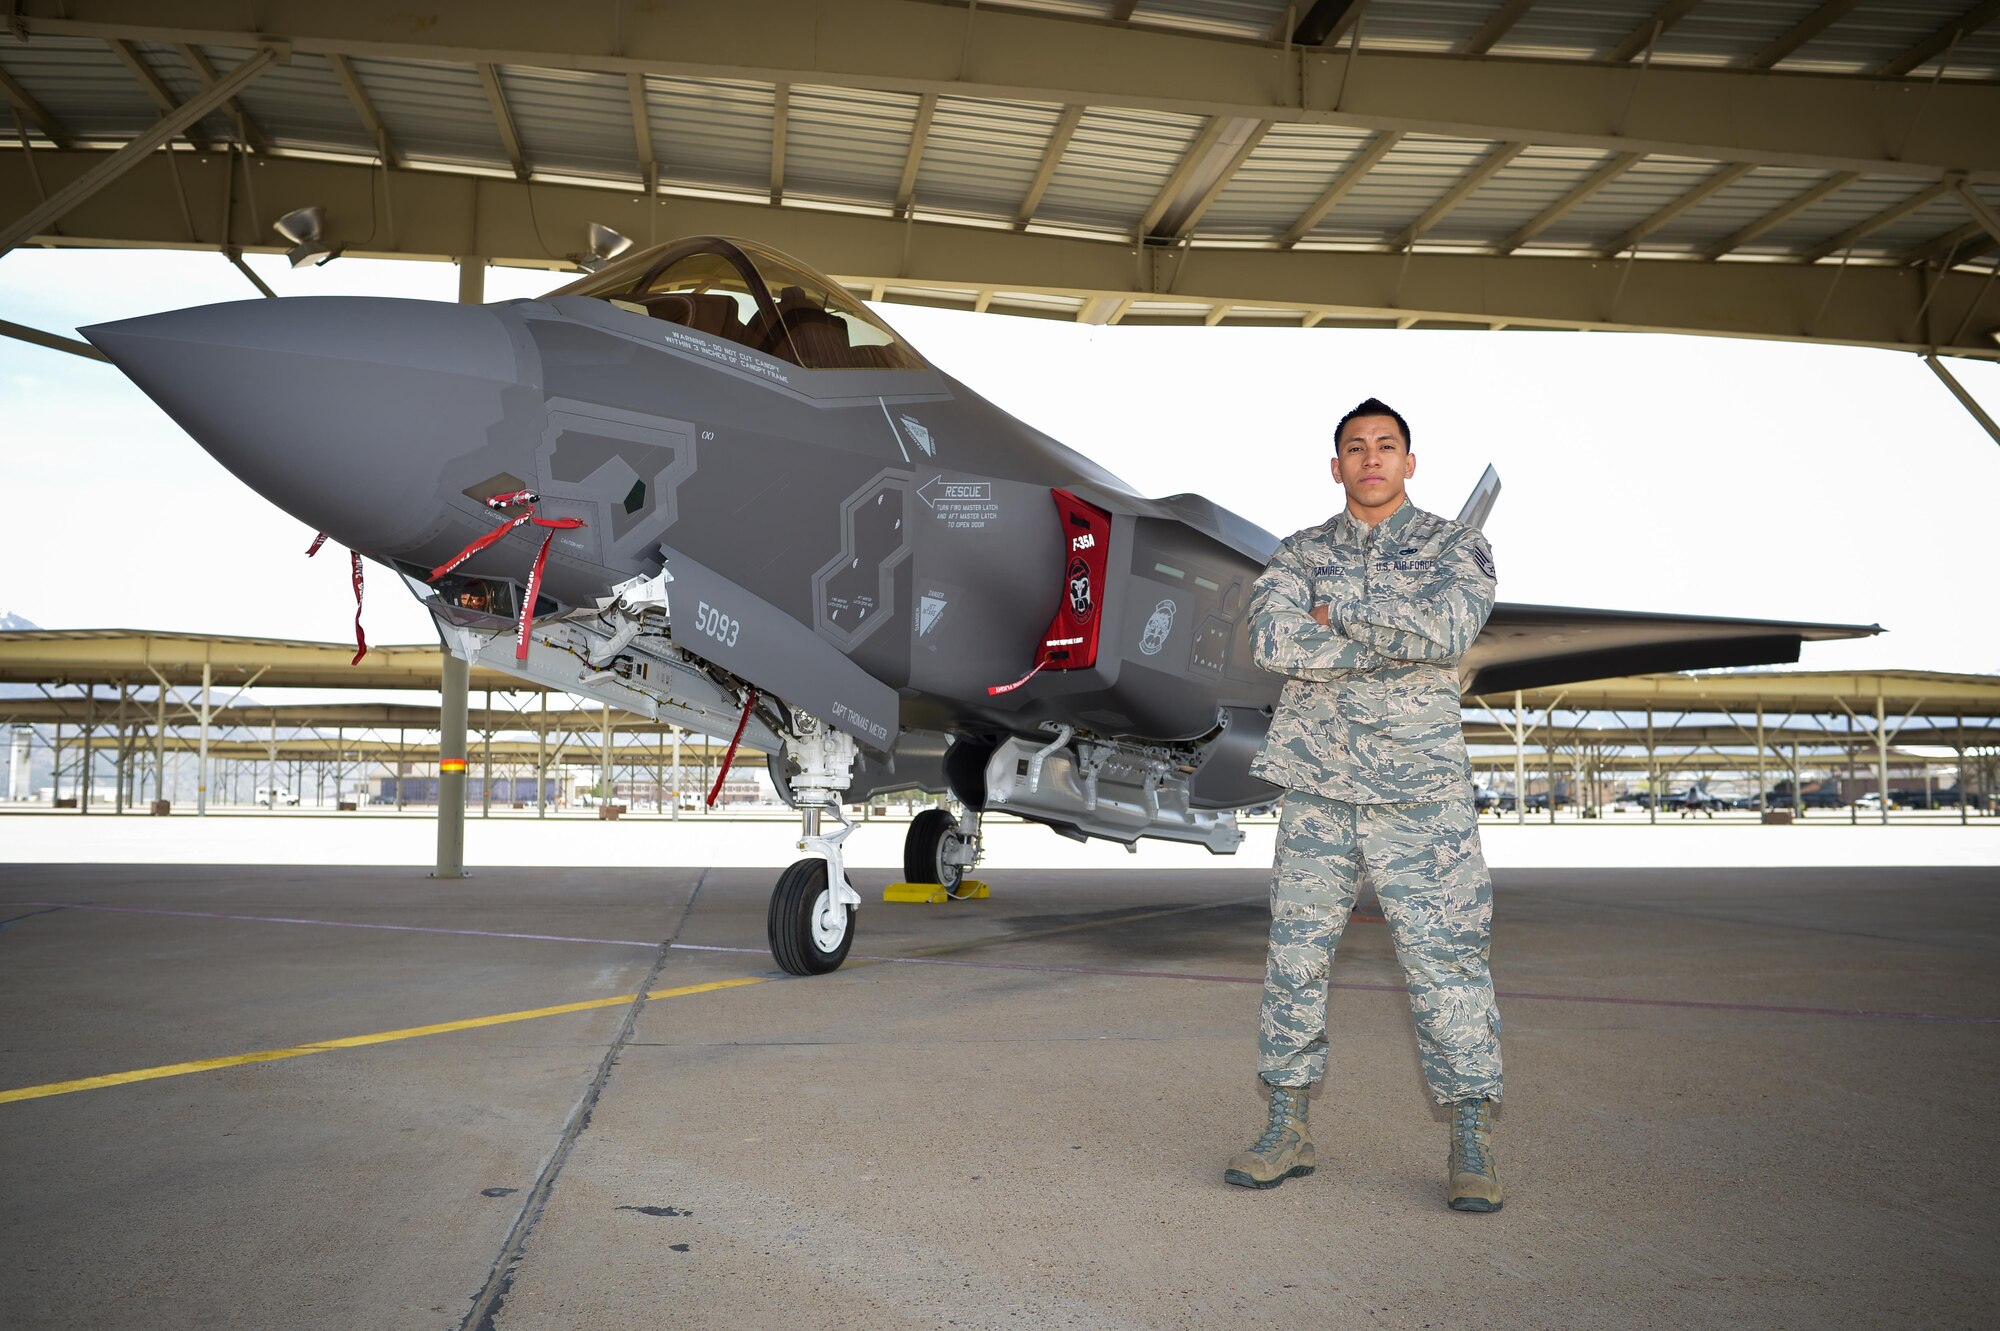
{"points": [[82, 85], [299, 104], [1414, 175], [1881, 30], [1576, 29], [573, 121], [1288, 171], [1117, 164], [981, 156], [434, 112], [1633, 197], [848, 144], [1519, 191], [712, 132]]}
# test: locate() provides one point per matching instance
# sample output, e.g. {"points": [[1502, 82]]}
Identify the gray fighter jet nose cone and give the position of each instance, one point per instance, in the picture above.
{"points": [[343, 411]]}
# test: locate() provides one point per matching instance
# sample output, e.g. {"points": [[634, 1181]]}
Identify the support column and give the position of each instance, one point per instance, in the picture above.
{"points": [[1652, 773], [402, 764], [1762, 797], [457, 693], [271, 762], [160, 745], [486, 762], [1520, 762], [1799, 792], [124, 742], [1963, 793], [201, 769], [608, 776], [1882, 756], [472, 280], [542, 761], [83, 788], [677, 773], [1853, 799]]}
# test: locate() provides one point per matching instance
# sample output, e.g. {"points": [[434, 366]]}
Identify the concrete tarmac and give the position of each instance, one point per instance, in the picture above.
{"points": [[1758, 1097]]}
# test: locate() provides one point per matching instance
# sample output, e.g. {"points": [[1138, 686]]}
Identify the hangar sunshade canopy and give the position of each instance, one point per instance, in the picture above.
{"points": [[1819, 170]]}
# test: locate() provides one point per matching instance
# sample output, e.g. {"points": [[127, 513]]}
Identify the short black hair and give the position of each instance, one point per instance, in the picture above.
{"points": [[1374, 406]]}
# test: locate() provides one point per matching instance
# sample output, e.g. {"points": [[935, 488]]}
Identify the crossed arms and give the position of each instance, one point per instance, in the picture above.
{"points": [[1290, 635]]}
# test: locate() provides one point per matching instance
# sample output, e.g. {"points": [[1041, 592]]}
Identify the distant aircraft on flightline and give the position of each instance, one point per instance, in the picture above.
{"points": [[708, 484]]}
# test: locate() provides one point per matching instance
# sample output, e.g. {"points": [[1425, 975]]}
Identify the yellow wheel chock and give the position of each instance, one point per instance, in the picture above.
{"points": [[970, 889]]}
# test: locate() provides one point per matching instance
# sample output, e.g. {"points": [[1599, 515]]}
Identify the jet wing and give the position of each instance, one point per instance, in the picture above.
{"points": [[1534, 646]]}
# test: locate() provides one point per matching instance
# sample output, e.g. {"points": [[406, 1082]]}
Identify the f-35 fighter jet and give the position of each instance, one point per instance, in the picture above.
{"points": [[708, 484]]}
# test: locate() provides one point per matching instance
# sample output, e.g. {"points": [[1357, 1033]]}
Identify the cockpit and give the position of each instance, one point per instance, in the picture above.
{"points": [[755, 297]]}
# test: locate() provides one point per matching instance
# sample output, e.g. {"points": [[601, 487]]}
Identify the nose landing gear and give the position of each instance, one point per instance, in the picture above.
{"points": [[811, 919]]}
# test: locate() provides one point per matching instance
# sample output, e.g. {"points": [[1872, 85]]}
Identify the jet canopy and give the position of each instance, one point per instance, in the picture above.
{"points": [[755, 297]]}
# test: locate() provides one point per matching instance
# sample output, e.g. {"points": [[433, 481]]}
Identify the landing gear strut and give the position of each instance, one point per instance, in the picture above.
{"points": [[940, 848], [811, 922]]}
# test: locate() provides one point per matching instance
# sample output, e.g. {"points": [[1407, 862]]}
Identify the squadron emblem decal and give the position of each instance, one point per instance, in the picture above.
{"points": [[1158, 626], [1078, 578]]}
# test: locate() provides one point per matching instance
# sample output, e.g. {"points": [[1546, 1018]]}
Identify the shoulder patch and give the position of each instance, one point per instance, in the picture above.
{"points": [[1482, 557]]}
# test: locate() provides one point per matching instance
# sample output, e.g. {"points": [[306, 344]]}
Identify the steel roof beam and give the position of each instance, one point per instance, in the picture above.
{"points": [[104, 170], [503, 119], [1567, 204], [1502, 22], [364, 109], [246, 125], [913, 160], [162, 96], [51, 128], [1185, 223], [781, 111], [1807, 28], [1868, 226], [1982, 211], [1327, 22], [1951, 246], [1197, 153], [642, 130], [1457, 194], [1965, 398], [1052, 156], [1350, 175], [53, 341], [1941, 41], [1783, 212], [1824, 122], [1651, 30], [442, 214]]}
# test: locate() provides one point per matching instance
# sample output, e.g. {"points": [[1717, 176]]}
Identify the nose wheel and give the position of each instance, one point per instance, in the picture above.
{"points": [[810, 927]]}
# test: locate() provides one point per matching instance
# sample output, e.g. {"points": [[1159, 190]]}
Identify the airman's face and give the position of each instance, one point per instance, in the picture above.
{"points": [[1372, 460]]}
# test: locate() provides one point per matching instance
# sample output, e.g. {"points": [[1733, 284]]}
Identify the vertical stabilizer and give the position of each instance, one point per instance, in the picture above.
{"points": [[1479, 504]]}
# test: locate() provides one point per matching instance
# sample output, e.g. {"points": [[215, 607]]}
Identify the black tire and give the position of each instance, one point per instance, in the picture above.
{"points": [[796, 945], [923, 850]]}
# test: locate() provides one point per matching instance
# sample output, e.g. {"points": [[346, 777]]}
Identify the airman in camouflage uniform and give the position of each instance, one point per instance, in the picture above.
{"points": [[1368, 615]]}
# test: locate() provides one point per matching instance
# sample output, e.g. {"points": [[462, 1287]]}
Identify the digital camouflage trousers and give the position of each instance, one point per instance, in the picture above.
{"points": [[1425, 865]]}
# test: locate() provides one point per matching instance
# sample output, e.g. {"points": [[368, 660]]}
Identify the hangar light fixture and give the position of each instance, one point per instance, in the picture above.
{"points": [[605, 245], [306, 229]]}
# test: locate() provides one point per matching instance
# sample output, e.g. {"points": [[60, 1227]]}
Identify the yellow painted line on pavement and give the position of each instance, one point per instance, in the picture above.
{"points": [[355, 1042]]}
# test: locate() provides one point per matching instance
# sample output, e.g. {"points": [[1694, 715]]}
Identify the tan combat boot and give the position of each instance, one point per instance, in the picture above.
{"points": [[1284, 1151], [1475, 1174]]}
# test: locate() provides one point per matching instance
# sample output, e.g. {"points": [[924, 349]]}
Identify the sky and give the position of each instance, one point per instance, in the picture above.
{"points": [[1691, 475]]}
